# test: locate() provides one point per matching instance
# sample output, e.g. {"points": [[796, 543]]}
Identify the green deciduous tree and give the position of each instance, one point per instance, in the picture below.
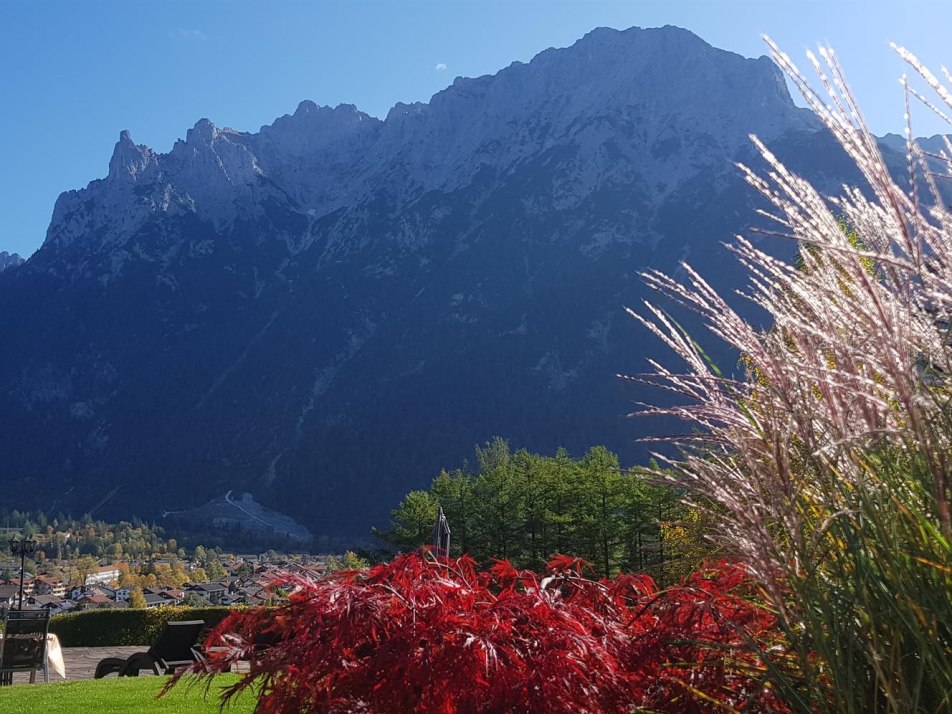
{"points": [[137, 599], [412, 521]]}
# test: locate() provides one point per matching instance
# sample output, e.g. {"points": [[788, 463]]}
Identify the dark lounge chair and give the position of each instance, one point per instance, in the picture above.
{"points": [[23, 645], [174, 648]]}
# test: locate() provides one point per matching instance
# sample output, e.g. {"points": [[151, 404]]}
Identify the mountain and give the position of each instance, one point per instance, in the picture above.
{"points": [[9, 260], [327, 311]]}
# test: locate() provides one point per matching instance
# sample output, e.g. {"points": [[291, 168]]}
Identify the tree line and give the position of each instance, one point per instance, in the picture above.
{"points": [[66, 538], [526, 507], [71, 549]]}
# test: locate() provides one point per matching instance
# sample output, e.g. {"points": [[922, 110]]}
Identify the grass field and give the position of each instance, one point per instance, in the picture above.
{"points": [[118, 696]]}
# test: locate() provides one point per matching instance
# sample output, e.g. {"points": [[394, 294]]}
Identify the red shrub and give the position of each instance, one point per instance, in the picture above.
{"points": [[426, 635]]}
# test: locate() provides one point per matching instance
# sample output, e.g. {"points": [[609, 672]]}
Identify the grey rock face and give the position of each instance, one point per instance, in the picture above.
{"points": [[663, 99]]}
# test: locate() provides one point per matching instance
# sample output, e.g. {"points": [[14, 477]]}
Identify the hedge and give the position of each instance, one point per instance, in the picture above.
{"points": [[118, 627]]}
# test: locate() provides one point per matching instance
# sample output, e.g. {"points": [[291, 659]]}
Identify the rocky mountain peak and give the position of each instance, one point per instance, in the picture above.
{"points": [[9, 260], [312, 127], [306, 106], [342, 115], [130, 162], [204, 132], [211, 154]]}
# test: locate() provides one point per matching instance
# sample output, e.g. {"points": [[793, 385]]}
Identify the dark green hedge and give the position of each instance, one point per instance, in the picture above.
{"points": [[115, 627]]}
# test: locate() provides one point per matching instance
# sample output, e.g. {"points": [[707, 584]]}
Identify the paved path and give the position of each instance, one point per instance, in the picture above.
{"points": [[81, 662]]}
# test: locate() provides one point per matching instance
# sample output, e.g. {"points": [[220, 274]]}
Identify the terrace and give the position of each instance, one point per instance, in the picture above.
{"points": [[81, 663]]}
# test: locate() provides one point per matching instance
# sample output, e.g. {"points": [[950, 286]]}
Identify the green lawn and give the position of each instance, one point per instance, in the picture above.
{"points": [[118, 696]]}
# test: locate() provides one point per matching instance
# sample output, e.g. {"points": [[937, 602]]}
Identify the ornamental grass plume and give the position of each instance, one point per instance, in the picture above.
{"points": [[827, 461]]}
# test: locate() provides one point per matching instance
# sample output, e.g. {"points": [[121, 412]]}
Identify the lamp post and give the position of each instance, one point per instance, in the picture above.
{"points": [[22, 547], [441, 535]]}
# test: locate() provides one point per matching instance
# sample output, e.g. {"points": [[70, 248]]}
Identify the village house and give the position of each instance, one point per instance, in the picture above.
{"points": [[103, 575], [77, 592], [173, 596], [15, 581], [163, 596], [153, 600], [212, 592], [250, 595], [94, 600], [55, 604], [9, 595], [48, 585]]}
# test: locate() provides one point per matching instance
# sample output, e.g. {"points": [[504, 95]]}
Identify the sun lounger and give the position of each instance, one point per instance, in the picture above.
{"points": [[176, 647]]}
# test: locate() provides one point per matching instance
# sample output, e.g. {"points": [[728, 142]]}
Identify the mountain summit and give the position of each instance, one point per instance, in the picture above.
{"points": [[325, 312], [9, 260]]}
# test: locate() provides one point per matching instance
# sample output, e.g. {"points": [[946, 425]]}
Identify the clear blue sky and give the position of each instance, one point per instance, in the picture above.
{"points": [[73, 74]]}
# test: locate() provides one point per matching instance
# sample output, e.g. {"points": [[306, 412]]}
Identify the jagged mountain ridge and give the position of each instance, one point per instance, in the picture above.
{"points": [[321, 159], [325, 312]]}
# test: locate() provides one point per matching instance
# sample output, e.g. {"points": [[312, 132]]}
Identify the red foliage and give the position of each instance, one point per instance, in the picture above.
{"points": [[434, 635]]}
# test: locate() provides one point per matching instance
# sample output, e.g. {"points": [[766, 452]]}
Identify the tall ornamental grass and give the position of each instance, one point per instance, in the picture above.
{"points": [[827, 461]]}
